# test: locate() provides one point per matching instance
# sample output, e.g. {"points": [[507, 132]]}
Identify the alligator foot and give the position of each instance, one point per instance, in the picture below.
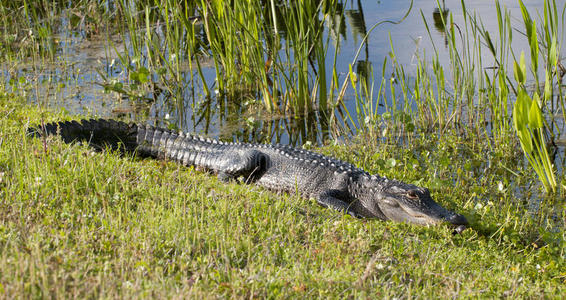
{"points": [[225, 177]]}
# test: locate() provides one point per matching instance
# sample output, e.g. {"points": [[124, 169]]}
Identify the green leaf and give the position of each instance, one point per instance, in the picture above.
{"points": [[391, 163], [134, 76], [533, 42], [161, 71], [490, 43], [535, 114], [552, 53], [143, 75], [519, 70], [526, 141], [547, 87], [503, 88], [521, 108], [526, 18], [218, 8], [517, 122]]}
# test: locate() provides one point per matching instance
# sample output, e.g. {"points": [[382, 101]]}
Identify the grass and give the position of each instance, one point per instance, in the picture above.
{"points": [[75, 223]]}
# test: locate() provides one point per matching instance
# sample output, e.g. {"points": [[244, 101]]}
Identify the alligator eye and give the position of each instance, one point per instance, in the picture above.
{"points": [[412, 194]]}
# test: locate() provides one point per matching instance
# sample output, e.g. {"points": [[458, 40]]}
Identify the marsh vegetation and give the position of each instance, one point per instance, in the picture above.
{"points": [[464, 99]]}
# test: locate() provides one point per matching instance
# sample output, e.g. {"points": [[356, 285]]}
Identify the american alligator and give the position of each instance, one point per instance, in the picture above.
{"points": [[332, 182]]}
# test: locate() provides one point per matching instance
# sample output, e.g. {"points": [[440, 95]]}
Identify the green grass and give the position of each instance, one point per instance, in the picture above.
{"points": [[76, 223]]}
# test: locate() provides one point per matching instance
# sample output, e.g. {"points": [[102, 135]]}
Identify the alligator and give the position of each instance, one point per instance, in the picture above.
{"points": [[333, 183]]}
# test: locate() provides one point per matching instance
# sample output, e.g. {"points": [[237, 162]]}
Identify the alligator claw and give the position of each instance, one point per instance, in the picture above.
{"points": [[353, 214]]}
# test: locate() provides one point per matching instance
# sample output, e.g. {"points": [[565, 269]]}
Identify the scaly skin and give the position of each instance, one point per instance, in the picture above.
{"points": [[333, 183]]}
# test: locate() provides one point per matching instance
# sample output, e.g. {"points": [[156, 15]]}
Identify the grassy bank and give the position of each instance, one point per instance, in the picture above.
{"points": [[74, 223]]}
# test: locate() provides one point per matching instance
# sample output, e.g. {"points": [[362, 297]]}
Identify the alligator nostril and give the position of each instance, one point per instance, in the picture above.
{"points": [[458, 220]]}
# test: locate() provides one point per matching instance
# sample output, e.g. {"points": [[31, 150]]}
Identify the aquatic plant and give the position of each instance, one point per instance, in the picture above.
{"points": [[472, 95], [528, 121]]}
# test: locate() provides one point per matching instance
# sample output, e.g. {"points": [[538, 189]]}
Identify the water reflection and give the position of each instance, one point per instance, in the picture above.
{"points": [[356, 20], [440, 18], [87, 56]]}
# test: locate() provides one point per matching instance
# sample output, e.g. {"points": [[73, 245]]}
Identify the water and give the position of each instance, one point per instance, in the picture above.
{"points": [[73, 81]]}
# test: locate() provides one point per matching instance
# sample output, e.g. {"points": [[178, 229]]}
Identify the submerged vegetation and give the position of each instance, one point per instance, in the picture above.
{"points": [[484, 130]]}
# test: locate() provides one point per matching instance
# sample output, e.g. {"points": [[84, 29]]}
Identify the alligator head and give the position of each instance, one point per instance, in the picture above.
{"points": [[408, 203]]}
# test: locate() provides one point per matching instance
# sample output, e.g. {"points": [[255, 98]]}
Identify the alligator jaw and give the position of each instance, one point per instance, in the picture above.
{"points": [[418, 207], [457, 221]]}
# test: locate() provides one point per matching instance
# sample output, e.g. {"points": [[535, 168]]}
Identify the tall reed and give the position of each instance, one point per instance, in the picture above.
{"points": [[472, 93]]}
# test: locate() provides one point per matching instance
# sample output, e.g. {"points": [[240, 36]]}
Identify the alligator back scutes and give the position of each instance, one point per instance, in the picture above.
{"points": [[188, 149], [306, 156]]}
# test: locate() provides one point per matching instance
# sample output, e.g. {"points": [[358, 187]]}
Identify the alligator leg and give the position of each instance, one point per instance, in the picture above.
{"points": [[250, 164], [330, 199]]}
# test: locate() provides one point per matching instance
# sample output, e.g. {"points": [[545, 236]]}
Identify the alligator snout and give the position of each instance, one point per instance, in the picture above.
{"points": [[457, 219]]}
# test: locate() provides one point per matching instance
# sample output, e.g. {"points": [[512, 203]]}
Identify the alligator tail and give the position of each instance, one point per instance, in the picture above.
{"points": [[143, 140], [99, 133], [148, 141]]}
